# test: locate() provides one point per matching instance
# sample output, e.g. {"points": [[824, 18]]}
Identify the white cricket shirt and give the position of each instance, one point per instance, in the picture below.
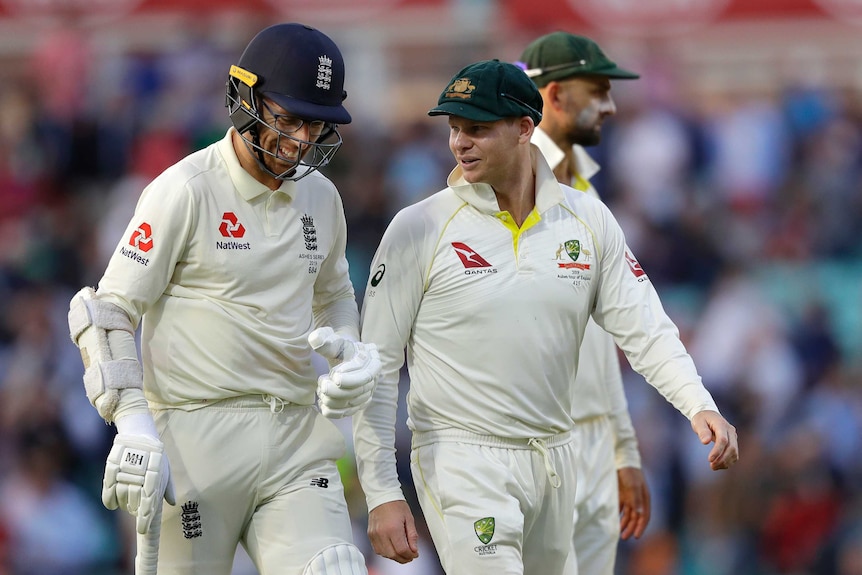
{"points": [[230, 277], [492, 317], [598, 385]]}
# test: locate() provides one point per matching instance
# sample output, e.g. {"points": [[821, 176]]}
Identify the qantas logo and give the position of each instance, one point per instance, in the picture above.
{"points": [[469, 257], [473, 262], [635, 266], [142, 238], [230, 226]]}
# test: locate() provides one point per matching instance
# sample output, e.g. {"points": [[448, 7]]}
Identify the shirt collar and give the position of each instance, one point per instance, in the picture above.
{"points": [[482, 197], [245, 184], [585, 165]]}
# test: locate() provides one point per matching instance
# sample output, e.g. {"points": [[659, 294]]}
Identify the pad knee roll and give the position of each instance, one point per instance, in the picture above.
{"points": [[340, 559]]}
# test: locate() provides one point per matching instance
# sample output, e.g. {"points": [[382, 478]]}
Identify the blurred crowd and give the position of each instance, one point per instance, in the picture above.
{"points": [[744, 210]]}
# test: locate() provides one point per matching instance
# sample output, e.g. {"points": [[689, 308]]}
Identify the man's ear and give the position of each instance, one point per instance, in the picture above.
{"points": [[526, 128], [551, 94]]}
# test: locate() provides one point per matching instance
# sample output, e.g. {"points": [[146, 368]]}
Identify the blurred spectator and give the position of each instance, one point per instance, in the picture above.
{"points": [[54, 528]]}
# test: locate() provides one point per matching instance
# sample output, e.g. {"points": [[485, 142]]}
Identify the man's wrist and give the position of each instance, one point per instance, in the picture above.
{"points": [[137, 424]]}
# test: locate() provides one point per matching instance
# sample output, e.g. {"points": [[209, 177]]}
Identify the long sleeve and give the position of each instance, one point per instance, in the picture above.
{"points": [[392, 298], [629, 308]]}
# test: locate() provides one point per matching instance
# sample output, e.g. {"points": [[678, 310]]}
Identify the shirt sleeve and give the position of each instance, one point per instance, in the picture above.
{"points": [[625, 441], [626, 451], [392, 298], [147, 254], [628, 307], [334, 302]]}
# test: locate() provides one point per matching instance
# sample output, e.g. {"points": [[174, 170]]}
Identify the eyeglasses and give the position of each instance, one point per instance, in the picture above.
{"points": [[288, 124]]}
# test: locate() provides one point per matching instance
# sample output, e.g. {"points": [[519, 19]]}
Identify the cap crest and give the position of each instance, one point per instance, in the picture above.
{"points": [[460, 88]]}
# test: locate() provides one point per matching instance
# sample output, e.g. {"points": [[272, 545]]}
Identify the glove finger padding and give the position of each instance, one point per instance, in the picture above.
{"points": [[339, 408], [362, 368], [329, 390], [137, 477]]}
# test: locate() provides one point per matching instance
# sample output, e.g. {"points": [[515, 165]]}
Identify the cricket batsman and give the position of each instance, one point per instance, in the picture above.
{"points": [[234, 267]]}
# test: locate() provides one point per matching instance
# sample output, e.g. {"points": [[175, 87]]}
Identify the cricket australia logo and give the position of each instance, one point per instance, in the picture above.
{"points": [[191, 520], [484, 529], [324, 72], [309, 233], [573, 248]]}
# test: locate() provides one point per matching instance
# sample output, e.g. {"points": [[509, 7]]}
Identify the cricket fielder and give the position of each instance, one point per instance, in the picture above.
{"points": [[574, 78], [234, 264], [467, 281]]}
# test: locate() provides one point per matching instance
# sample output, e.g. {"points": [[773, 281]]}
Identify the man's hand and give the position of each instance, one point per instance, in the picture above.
{"points": [[137, 477], [710, 427], [635, 506], [348, 385], [392, 532]]}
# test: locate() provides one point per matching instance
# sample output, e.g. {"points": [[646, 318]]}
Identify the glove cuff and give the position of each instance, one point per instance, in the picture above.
{"points": [[138, 424]]}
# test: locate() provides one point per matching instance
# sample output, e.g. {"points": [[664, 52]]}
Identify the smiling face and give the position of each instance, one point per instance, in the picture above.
{"points": [[285, 137], [272, 149], [485, 150]]}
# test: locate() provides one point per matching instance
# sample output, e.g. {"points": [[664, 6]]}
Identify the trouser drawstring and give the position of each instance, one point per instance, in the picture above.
{"points": [[276, 404], [540, 446]]}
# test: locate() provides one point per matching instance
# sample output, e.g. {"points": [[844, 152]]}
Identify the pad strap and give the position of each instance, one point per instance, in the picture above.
{"points": [[86, 310], [110, 363]]}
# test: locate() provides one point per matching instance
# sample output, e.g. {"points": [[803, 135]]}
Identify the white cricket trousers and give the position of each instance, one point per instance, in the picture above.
{"points": [[244, 472], [491, 504], [597, 506]]}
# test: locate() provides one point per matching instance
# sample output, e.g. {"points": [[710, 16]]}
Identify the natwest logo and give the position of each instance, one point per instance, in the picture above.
{"points": [[230, 226], [142, 237]]}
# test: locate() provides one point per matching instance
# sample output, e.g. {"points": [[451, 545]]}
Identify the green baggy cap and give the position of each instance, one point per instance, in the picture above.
{"points": [[560, 55], [490, 90]]}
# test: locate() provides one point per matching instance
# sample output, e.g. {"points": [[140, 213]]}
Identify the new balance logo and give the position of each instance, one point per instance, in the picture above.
{"points": [[469, 257], [322, 482]]}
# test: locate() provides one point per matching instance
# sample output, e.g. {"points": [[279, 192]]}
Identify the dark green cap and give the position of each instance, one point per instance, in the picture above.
{"points": [[560, 55], [488, 91]]}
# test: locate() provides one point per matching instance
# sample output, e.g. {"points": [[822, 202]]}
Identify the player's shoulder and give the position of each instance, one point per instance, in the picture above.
{"points": [[423, 221], [582, 203], [179, 179], [192, 166], [432, 211], [316, 182]]}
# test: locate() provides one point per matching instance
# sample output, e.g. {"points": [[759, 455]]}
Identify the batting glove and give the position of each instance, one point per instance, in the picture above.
{"points": [[348, 386], [137, 477]]}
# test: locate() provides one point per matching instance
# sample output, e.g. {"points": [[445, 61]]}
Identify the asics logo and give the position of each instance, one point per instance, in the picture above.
{"points": [[230, 226]]}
